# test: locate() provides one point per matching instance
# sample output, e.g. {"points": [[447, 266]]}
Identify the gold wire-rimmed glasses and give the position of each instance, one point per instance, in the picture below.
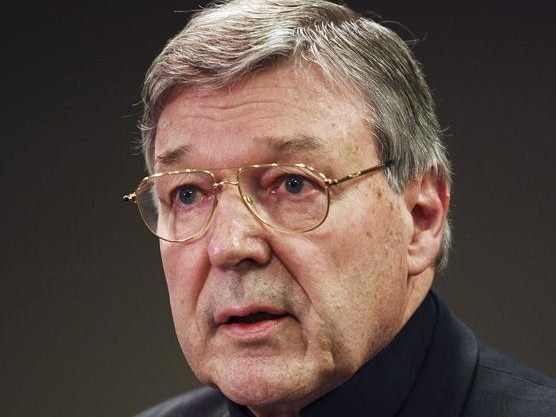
{"points": [[178, 206]]}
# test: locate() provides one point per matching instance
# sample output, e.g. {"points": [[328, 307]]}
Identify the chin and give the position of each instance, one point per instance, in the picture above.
{"points": [[265, 397], [268, 383]]}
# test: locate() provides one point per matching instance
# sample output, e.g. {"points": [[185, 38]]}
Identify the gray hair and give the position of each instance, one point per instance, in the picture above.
{"points": [[232, 40]]}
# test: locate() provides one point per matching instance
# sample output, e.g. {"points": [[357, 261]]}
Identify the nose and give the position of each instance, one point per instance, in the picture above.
{"points": [[236, 239]]}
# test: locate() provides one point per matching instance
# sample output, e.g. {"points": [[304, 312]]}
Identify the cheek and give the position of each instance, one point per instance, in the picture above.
{"points": [[362, 283], [184, 271], [171, 261], [372, 236], [183, 268], [184, 265]]}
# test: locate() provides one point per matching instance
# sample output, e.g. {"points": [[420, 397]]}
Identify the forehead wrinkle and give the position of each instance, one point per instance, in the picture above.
{"points": [[228, 110]]}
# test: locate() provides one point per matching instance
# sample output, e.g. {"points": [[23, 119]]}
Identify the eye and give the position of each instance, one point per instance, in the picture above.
{"points": [[281, 183], [187, 194], [294, 184], [183, 191]]}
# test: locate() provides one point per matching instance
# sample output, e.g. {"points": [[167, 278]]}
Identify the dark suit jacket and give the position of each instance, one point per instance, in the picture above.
{"points": [[459, 376]]}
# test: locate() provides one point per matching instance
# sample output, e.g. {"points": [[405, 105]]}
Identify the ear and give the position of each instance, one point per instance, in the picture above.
{"points": [[427, 199]]}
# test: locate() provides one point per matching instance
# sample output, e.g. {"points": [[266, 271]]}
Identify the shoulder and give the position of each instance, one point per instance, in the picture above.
{"points": [[503, 386], [202, 402]]}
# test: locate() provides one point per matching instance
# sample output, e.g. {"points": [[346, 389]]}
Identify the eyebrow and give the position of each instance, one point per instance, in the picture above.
{"points": [[277, 144], [300, 143], [172, 157]]}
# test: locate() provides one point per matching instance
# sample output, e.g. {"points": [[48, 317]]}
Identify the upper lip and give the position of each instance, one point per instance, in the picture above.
{"points": [[228, 315]]}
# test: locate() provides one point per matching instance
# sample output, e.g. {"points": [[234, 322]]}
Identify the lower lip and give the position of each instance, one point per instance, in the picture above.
{"points": [[252, 332]]}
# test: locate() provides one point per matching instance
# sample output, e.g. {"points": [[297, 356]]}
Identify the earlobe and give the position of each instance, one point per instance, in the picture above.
{"points": [[428, 198]]}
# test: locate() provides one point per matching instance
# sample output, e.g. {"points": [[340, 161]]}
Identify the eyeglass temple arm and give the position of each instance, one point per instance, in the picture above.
{"points": [[130, 197], [334, 181]]}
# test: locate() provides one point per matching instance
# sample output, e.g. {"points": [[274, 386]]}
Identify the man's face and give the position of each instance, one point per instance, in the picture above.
{"points": [[331, 297]]}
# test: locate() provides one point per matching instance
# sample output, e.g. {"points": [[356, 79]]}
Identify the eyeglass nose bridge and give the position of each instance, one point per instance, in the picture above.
{"points": [[224, 182], [247, 200]]}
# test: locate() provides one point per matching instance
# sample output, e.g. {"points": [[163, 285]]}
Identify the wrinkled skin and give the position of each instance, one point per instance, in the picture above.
{"points": [[337, 294]]}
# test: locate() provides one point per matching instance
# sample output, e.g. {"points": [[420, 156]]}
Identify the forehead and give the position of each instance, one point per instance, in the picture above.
{"points": [[274, 116]]}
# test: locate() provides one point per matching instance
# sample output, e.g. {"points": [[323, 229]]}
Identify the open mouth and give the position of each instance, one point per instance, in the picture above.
{"points": [[254, 318]]}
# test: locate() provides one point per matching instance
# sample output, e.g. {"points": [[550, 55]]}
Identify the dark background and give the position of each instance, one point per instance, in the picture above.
{"points": [[85, 323]]}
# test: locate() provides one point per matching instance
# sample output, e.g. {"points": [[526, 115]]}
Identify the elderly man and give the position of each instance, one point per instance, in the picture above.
{"points": [[300, 189]]}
